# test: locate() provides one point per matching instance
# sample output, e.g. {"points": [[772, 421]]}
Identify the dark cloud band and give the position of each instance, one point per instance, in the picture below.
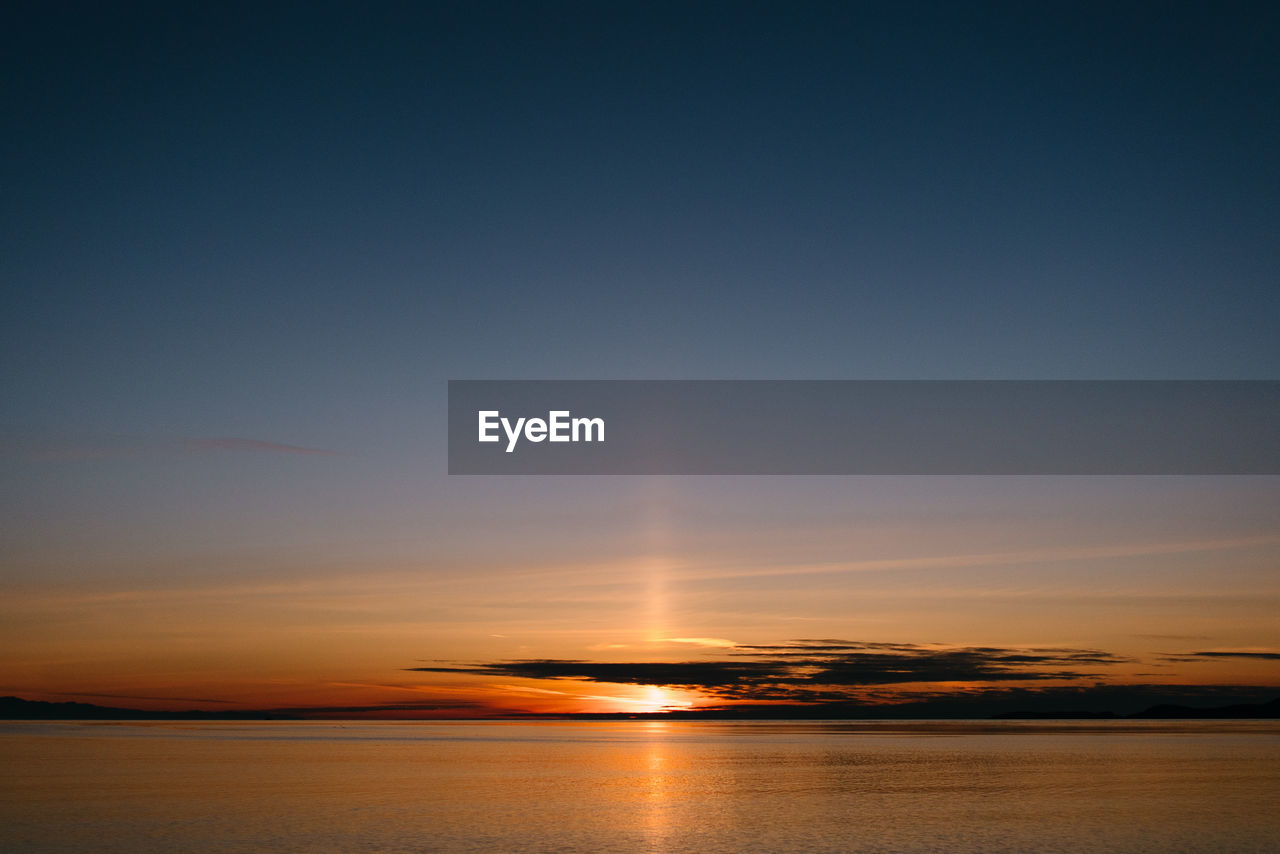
{"points": [[811, 671]]}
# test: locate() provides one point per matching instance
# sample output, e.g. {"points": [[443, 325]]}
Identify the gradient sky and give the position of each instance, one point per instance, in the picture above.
{"points": [[244, 249]]}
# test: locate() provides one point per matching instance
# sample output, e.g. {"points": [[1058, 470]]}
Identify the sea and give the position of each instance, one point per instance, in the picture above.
{"points": [[641, 786]]}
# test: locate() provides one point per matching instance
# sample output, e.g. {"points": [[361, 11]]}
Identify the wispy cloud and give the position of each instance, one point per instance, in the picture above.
{"points": [[251, 445], [1056, 554], [658, 643], [714, 643], [132, 697], [93, 447], [1211, 655]]}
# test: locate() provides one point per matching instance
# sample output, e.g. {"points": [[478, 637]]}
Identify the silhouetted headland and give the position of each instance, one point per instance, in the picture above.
{"points": [[1165, 711], [15, 708]]}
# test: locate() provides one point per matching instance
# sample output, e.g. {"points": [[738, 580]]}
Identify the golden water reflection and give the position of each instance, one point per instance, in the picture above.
{"points": [[657, 819], [659, 787]]}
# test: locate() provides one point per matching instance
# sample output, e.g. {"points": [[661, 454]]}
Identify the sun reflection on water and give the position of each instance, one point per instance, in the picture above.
{"points": [[657, 819]]}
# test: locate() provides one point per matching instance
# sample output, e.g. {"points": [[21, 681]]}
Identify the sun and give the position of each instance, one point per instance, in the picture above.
{"points": [[655, 698]]}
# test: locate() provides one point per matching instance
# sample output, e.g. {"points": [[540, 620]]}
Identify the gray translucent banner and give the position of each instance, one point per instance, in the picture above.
{"points": [[880, 427]]}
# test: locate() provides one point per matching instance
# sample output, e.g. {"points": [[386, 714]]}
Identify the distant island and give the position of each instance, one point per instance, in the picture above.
{"points": [[16, 708], [1163, 711]]}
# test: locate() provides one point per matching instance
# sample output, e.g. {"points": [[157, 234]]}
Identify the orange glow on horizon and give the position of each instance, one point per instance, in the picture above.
{"points": [[659, 699]]}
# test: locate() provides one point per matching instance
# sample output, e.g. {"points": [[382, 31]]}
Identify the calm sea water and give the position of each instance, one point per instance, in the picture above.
{"points": [[641, 787]]}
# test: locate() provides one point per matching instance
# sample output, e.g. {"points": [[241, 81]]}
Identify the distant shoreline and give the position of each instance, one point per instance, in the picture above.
{"points": [[18, 709]]}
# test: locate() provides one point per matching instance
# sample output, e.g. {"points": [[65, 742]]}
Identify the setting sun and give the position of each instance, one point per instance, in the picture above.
{"points": [[658, 699]]}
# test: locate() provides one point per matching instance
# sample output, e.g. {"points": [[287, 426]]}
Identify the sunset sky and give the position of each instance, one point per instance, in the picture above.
{"points": [[244, 250]]}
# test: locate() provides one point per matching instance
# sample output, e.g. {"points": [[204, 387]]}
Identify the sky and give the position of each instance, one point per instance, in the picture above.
{"points": [[245, 247]]}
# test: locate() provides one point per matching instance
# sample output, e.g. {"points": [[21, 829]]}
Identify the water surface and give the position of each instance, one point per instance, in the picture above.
{"points": [[619, 786]]}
